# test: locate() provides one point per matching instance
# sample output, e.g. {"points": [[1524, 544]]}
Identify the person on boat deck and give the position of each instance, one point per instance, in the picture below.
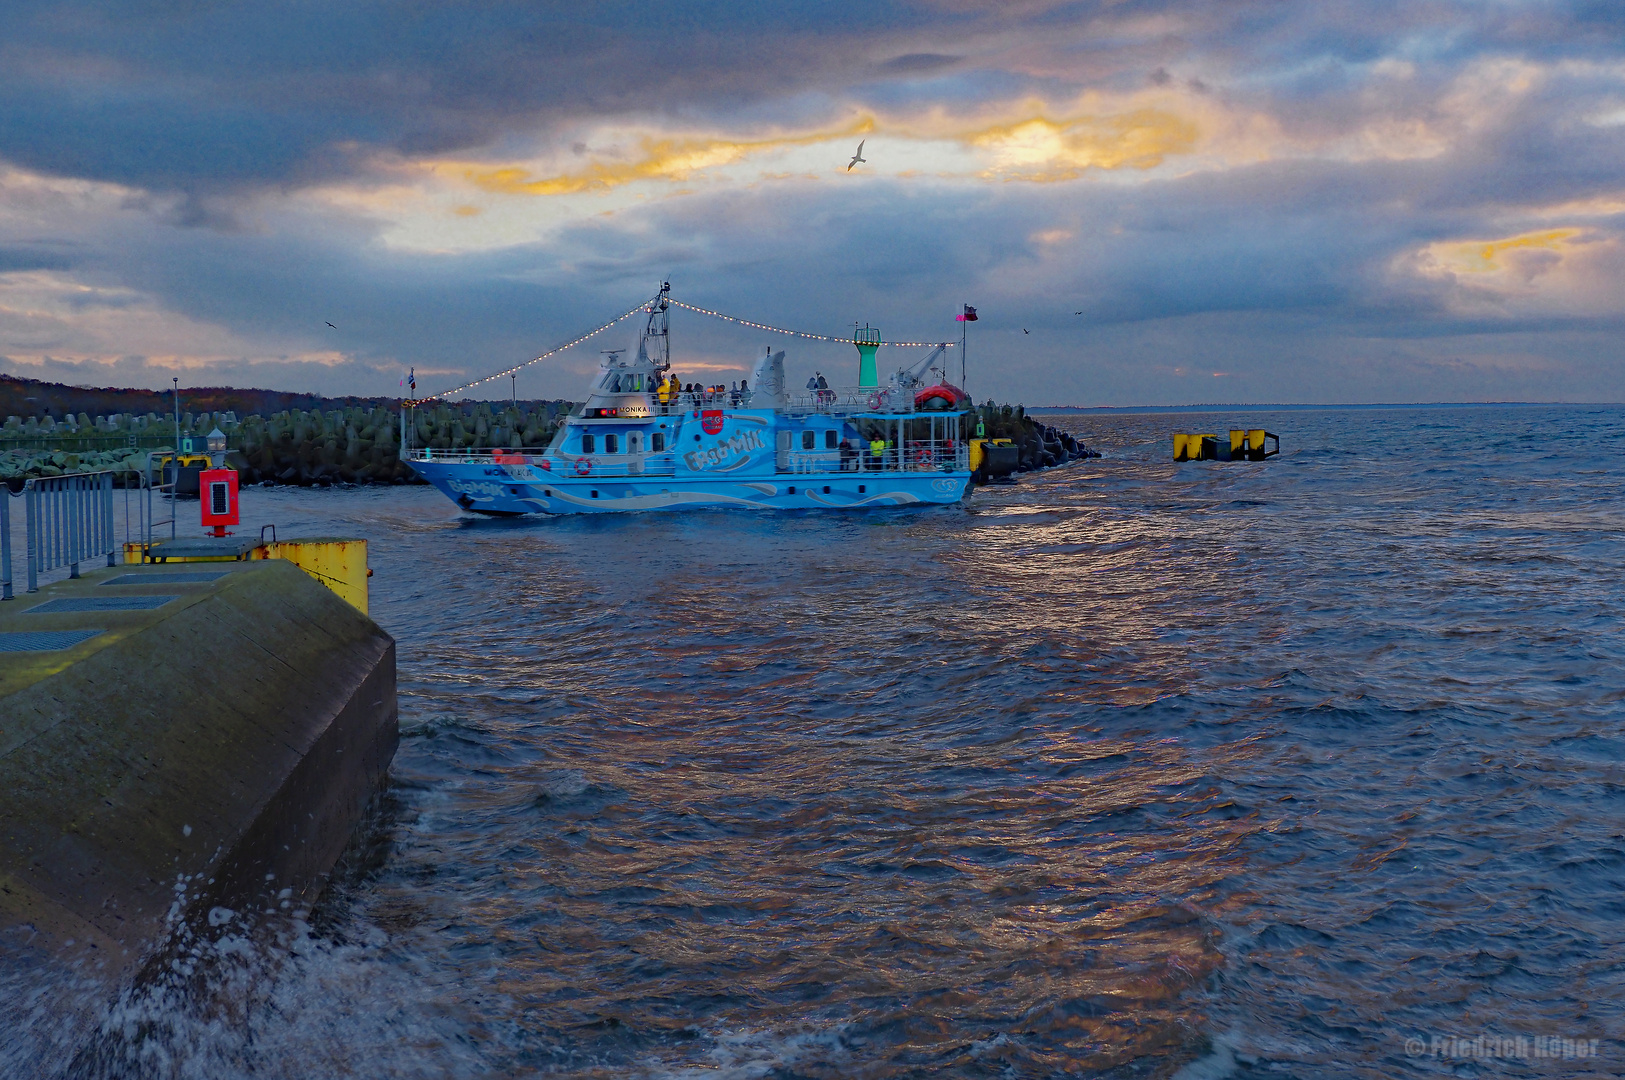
{"points": [[812, 384], [877, 451]]}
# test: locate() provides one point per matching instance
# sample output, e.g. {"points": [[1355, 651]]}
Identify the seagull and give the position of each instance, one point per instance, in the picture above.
{"points": [[1024, 330], [857, 157], [334, 327]]}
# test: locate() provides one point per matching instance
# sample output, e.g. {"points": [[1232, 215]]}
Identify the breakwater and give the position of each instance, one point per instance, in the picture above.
{"points": [[353, 445], [1037, 445], [361, 444]]}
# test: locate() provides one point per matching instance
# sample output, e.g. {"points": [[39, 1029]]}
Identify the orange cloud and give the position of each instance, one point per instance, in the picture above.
{"points": [[660, 159], [1489, 257], [1574, 270], [1044, 150], [1552, 240]]}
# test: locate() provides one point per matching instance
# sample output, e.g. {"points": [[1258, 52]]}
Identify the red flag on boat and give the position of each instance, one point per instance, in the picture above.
{"points": [[968, 316]]}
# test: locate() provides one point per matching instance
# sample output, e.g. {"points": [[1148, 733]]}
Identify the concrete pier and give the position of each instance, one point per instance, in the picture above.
{"points": [[176, 739]]}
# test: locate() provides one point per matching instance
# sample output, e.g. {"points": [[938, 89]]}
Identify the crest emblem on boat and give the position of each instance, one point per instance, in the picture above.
{"points": [[711, 421]]}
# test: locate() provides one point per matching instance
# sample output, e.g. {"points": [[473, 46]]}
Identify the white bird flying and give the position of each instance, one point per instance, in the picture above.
{"points": [[857, 157]]}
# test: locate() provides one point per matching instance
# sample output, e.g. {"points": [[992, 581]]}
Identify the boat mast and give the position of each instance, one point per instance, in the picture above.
{"points": [[658, 314]]}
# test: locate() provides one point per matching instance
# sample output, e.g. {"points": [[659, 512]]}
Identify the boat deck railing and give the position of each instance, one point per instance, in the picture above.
{"points": [[916, 455], [922, 455], [850, 399], [836, 400]]}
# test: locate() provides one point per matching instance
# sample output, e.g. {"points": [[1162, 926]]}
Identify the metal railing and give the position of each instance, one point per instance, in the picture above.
{"points": [[838, 400], [146, 513], [70, 520], [5, 542], [917, 455], [851, 399]]}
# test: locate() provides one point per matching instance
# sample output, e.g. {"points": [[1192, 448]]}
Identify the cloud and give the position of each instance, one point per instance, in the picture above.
{"points": [[1566, 271], [655, 159], [918, 63], [1040, 149], [1363, 200]]}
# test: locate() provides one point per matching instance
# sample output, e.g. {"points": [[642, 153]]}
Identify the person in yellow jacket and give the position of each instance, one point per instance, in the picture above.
{"points": [[877, 451]]}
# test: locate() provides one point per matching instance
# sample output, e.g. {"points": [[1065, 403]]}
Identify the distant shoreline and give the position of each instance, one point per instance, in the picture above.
{"points": [[1078, 409]]}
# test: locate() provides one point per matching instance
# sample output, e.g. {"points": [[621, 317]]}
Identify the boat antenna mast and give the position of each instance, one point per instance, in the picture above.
{"points": [[659, 327]]}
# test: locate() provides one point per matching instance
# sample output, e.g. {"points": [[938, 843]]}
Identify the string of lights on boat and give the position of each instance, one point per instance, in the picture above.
{"points": [[798, 333], [643, 308]]}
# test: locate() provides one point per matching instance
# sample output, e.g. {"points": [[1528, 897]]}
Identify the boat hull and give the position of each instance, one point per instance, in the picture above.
{"points": [[488, 488]]}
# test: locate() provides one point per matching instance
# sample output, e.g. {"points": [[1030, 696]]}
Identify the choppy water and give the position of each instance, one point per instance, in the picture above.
{"points": [[1133, 768]]}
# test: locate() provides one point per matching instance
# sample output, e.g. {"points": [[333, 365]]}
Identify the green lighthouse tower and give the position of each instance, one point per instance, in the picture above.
{"points": [[867, 340]]}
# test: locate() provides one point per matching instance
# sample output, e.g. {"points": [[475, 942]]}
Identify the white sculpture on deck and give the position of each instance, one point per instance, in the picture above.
{"points": [[768, 382]]}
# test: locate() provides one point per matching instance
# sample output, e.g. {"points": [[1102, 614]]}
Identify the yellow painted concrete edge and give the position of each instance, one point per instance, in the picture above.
{"points": [[338, 563]]}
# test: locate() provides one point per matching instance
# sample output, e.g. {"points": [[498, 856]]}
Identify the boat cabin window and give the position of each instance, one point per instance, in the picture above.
{"points": [[612, 443], [634, 443], [806, 440], [588, 442], [831, 440], [657, 441]]}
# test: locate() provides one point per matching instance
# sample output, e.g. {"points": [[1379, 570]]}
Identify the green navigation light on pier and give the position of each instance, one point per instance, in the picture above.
{"points": [[867, 339]]}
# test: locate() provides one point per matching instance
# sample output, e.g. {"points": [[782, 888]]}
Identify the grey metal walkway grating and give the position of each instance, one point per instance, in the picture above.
{"points": [[159, 577], [100, 603], [44, 640]]}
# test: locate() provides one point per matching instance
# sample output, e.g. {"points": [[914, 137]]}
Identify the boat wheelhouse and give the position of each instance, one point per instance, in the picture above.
{"points": [[645, 441]]}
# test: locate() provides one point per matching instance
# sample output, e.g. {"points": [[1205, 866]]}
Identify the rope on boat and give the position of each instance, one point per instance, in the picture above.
{"points": [[639, 310], [645, 306]]}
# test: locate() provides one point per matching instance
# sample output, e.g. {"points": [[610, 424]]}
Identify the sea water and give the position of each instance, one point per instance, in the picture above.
{"points": [[1309, 767]]}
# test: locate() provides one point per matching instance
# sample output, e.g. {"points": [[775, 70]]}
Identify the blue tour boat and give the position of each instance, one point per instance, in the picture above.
{"points": [[643, 441]]}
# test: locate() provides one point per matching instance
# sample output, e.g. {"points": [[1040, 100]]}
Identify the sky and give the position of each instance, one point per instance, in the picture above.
{"points": [[1148, 203]]}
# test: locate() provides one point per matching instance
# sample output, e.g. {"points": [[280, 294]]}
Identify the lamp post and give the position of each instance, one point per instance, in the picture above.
{"points": [[177, 381]]}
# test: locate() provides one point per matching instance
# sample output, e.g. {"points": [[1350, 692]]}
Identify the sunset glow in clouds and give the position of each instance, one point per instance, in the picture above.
{"points": [[1371, 202]]}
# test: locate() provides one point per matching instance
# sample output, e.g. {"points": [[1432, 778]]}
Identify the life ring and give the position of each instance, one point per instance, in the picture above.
{"points": [[874, 401], [922, 456], [583, 465]]}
